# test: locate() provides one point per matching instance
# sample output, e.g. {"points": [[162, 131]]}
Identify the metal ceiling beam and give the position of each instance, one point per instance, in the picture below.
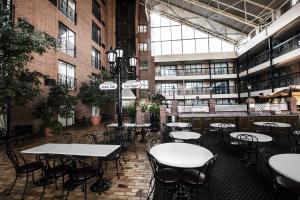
{"points": [[259, 5], [221, 12], [204, 17], [182, 21], [237, 9]]}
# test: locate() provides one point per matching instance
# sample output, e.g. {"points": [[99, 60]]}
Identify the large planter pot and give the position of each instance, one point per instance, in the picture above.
{"points": [[48, 132], [95, 120]]}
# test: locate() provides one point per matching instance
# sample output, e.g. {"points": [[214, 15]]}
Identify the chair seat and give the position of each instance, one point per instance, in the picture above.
{"points": [[190, 177], [112, 157], [31, 167], [83, 174], [168, 175], [288, 184], [57, 172]]}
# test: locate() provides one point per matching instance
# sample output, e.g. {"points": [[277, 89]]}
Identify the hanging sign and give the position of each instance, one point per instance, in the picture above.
{"points": [[109, 85], [131, 84]]}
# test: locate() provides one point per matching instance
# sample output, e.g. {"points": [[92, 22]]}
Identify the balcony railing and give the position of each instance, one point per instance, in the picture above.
{"points": [[280, 49], [194, 72], [67, 10], [197, 91], [95, 62], [287, 46], [69, 80], [67, 47], [281, 81]]}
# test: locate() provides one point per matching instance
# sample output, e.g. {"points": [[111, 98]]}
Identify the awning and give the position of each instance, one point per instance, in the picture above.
{"points": [[127, 94], [280, 93]]}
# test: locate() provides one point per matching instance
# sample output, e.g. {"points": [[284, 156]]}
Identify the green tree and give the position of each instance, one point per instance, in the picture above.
{"points": [[18, 43], [61, 101], [91, 95]]}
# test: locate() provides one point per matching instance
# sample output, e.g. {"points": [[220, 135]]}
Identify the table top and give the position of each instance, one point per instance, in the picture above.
{"points": [[217, 125], [178, 124], [279, 124], [131, 125], [287, 165], [181, 155], [185, 135], [260, 137], [90, 150]]}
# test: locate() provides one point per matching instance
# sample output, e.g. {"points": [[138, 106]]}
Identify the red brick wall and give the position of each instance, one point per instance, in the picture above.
{"points": [[44, 16]]}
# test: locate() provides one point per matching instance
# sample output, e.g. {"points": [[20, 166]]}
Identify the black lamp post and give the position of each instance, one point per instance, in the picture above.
{"points": [[210, 91], [249, 89], [173, 89], [291, 86], [115, 59]]}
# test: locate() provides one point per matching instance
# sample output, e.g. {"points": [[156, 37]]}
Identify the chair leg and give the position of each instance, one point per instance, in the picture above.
{"points": [[44, 187], [123, 158], [69, 188], [85, 190], [12, 186], [148, 197], [117, 169], [120, 164], [27, 177]]}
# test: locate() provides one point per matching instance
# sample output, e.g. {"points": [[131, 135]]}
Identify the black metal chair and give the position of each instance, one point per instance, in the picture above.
{"points": [[67, 138], [281, 183], [155, 141], [195, 178], [21, 166], [80, 172], [247, 146], [115, 157], [53, 169], [89, 139], [166, 176]]}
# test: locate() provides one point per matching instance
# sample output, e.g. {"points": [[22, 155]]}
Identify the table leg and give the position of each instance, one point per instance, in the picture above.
{"points": [[101, 185]]}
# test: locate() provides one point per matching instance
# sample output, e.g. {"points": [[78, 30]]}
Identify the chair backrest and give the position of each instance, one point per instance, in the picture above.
{"points": [[78, 167], [268, 126], [16, 159], [266, 154], [67, 138], [208, 167], [89, 139], [155, 141], [153, 162], [246, 138], [51, 162]]}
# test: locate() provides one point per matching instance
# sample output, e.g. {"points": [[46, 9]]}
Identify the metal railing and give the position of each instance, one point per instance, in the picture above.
{"points": [[259, 59], [231, 107], [69, 80], [278, 107], [194, 72], [281, 81], [67, 10], [287, 46], [193, 109], [224, 90], [66, 47], [197, 91]]}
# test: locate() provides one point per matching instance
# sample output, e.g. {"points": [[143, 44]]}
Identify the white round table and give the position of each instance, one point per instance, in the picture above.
{"points": [[178, 124], [287, 165], [181, 155], [260, 137], [185, 135], [269, 124], [218, 125]]}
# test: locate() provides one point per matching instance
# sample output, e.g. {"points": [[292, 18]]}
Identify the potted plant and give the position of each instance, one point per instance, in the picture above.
{"points": [[91, 95], [154, 110], [131, 109]]}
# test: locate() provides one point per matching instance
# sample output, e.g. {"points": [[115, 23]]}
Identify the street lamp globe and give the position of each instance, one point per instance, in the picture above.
{"points": [[120, 52], [132, 61], [111, 55], [249, 87]]}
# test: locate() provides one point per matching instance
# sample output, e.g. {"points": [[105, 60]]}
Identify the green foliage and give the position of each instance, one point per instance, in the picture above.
{"points": [[154, 110], [56, 126], [61, 102], [158, 98], [91, 95], [18, 43], [144, 107], [131, 109]]}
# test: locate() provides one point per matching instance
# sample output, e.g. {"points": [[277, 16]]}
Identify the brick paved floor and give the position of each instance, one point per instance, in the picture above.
{"points": [[132, 185]]}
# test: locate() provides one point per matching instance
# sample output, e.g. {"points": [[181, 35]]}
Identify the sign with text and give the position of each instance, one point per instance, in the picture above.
{"points": [[109, 85], [131, 84]]}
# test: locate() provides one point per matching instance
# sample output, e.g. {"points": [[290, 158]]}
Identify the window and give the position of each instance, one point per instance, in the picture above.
{"points": [[96, 33], [143, 46], [219, 68], [96, 59], [168, 89], [70, 121], [169, 37], [66, 40], [66, 74], [193, 85], [142, 28], [144, 84], [68, 8], [96, 10], [143, 64], [196, 69], [168, 70], [220, 87]]}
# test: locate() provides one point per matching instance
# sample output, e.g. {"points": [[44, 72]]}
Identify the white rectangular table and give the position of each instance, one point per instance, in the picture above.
{"points": [[89, 150]]}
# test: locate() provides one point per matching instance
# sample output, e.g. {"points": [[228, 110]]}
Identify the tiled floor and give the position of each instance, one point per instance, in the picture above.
{"points": [[132, 185]]}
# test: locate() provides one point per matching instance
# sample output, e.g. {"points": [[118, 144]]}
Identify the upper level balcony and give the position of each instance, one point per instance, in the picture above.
{"points": [[283, 52], [202, 92], [281, 81], [199, 74], [69, 80]]}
